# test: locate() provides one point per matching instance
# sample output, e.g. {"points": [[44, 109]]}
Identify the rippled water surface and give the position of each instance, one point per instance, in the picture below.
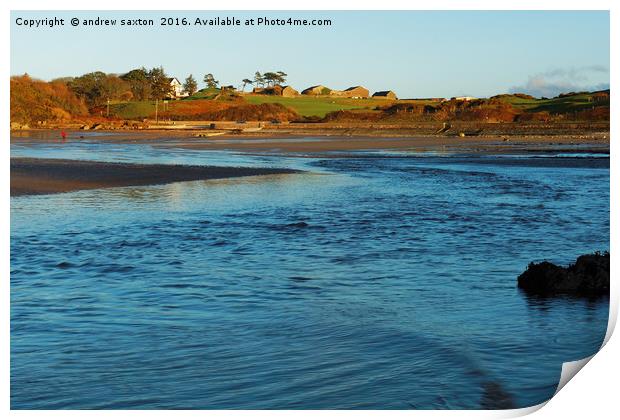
{"points": [[369, 281]]}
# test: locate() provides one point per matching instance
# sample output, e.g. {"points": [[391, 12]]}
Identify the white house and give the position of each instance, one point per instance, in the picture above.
{"points": [[176, 89]]}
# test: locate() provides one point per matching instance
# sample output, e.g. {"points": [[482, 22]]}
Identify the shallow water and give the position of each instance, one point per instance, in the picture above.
{"points": [[378, 280]]}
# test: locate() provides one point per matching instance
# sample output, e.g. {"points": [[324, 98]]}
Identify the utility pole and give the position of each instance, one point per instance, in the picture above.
{"points": [[156, 103], [108, 113]]}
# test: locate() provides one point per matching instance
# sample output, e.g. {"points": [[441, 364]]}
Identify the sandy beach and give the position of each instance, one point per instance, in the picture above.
{"points": [[47, 176]]}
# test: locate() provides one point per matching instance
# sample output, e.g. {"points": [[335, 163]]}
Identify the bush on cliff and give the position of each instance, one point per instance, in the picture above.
{"points": [[229, 111], [35, 100]]}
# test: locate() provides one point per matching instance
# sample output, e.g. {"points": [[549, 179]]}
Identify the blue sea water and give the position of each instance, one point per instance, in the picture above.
{"points": [[370, 281]]}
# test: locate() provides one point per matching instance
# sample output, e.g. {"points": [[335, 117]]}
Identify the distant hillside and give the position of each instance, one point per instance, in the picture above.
{"points": [[562, 104], [582, 106], [34, 101], [204, 109], [317, 106]]}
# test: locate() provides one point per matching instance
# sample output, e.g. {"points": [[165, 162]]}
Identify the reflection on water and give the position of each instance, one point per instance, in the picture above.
{"points": [[140, 153], [367, 282]]}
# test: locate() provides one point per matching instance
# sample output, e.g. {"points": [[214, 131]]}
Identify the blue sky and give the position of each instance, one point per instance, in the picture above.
{"points": [[415, 53]]}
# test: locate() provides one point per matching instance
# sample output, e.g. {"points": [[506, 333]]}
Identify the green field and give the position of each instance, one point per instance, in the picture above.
{"points": [[139, 109], [133, 110], [554, 105], [317, 106], [206, 93], [308, 106], [303, 105]]}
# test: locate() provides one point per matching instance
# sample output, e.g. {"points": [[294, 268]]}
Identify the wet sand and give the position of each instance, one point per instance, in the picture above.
{"points": [[48, 176], [287, 143], [420, 144]]}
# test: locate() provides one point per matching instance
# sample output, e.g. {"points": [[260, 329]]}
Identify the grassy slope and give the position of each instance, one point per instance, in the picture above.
{"points": [[144, 109], [133, 110], [554, 105], [139, 110], [206, 93], [317, 106]]}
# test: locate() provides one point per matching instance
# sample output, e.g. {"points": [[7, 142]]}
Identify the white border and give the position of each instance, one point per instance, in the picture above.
{"points": [[591, 395]]}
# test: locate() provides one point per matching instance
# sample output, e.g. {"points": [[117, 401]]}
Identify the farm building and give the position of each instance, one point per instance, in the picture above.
{"points": [[289, 92], [464, 98], [176, 89], [316, 90], [352, 92], [277, 90], [388, 94], [600, 96], [270, 90]]}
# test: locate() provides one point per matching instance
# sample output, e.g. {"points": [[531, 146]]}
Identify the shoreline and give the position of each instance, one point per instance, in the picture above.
{"points": [[33, 176], [36, 176], [321, 142]]}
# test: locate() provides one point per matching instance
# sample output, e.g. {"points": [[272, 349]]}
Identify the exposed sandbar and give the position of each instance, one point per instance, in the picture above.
{"points": [[47, 176]]}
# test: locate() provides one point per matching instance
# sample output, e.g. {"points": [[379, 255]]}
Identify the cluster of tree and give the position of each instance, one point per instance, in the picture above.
{"points": [[148, 84], [141, 84], [267, 79], [263, 80], [190, 86], [97, 88], [34, 101], [210, 81]]}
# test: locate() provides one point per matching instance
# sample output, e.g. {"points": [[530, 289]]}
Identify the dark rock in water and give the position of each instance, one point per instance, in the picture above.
{"points": [[589, 275], [494, 397], [298, 225], [64, 264]]}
